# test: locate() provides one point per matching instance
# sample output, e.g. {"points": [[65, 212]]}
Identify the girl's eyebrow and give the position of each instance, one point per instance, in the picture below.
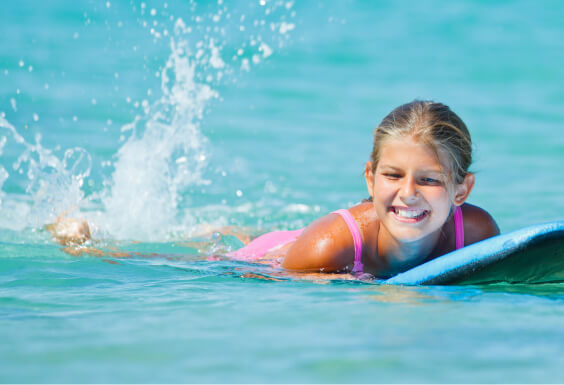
{"points": [[426, 170], [433, 170], [390, 167]]}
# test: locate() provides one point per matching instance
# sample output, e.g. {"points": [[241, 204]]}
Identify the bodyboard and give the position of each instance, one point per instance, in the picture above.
{"points": [[534, 254]]}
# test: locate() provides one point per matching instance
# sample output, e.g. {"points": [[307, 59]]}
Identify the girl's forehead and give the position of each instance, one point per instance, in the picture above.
{"points": [[404, 150]]}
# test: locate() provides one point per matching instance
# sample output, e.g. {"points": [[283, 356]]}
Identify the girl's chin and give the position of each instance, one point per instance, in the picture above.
{"points": [[409, 231]]}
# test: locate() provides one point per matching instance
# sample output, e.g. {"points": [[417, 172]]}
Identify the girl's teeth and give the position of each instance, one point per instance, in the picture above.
{"points": [[409, 213]]}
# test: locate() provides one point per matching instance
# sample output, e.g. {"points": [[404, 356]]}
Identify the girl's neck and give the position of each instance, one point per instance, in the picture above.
{"points": [[400, 255]]}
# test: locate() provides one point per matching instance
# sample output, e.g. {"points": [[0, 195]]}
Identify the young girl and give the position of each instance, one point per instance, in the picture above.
{"points": [[418, 181]]}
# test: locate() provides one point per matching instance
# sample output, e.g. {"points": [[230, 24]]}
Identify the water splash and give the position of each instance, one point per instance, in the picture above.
{"points": [[54, 185], [165, 153]]}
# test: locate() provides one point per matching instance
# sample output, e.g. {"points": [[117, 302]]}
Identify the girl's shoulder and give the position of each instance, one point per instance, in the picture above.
{"points": [[327, 243], [478, 224]]}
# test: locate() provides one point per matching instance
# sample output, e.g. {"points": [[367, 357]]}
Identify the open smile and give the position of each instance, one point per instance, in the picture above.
{"points": [[408, 215]]}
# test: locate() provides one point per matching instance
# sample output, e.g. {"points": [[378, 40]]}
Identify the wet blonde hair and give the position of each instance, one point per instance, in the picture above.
{"points": [[433, 124]]}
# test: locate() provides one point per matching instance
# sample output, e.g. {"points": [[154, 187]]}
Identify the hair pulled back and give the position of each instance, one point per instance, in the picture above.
{"points": [[433, 124]]}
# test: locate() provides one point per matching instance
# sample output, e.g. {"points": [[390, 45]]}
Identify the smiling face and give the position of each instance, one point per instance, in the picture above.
{"points": [[410, 191]]}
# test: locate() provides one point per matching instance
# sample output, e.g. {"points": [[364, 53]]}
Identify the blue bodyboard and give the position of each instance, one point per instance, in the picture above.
{"points": [[533, 254]]}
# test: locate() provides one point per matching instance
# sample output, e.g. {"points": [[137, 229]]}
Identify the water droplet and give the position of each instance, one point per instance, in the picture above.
{"points": [[46, 86], [21, 63], [286, 27], [239, 193], [153, 12], [94, 101], [75, 36], [74, 119], [35, 117], [30, 68], [245, 65], [265, 49], [108, 4]]}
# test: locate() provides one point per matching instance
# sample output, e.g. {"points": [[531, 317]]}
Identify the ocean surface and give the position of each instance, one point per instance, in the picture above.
{"points": [[171, 125]]}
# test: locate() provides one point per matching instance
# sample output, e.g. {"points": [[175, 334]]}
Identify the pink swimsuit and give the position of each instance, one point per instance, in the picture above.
{"points": [[265, 243]]}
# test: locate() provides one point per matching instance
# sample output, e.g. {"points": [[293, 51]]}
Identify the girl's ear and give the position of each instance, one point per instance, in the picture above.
{"points": [[463, 190], [369, 176]]}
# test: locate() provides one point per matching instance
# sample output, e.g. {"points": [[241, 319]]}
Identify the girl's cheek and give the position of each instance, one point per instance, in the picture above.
{"points": [[383, 191], [437, 194], [383, 184]]}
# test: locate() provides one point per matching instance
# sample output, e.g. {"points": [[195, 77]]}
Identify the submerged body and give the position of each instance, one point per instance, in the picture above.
{"points": [[336, 251]]}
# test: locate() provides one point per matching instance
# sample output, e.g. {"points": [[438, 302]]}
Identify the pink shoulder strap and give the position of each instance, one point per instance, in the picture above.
{"points": [[459, 228], [358, 267]]}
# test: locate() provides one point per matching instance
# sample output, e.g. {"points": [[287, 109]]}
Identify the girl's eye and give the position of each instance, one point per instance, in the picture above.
{"points": [[431, 181], [391, 175]]}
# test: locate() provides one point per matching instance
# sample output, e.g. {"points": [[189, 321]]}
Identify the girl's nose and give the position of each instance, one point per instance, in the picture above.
{"points": [[408, 192]]}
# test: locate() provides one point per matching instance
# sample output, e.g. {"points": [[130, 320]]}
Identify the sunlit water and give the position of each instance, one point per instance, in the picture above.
{"points": [[162, 123]]}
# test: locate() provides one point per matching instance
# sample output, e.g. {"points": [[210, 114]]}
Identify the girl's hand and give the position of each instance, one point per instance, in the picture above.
{"points": [[69, 231]]}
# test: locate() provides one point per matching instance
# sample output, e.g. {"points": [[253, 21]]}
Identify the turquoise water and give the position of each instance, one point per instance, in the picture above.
{"points": [[162, 123]]}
